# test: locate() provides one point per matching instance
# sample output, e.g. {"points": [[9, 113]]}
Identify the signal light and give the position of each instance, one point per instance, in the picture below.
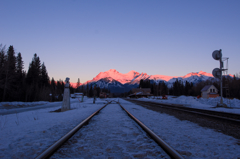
{"points": [[217, 54]]}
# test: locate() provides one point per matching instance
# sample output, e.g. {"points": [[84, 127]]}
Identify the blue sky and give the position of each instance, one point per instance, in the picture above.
{"points": [[79, 39]]}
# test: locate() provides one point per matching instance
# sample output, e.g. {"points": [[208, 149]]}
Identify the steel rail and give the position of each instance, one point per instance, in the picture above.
{"points": [[182, 106], [194, 110], [54, 147], [168, 149]]}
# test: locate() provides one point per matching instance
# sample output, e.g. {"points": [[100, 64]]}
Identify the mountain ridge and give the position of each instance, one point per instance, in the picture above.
{"points": [[118, 82], [134, 76]]}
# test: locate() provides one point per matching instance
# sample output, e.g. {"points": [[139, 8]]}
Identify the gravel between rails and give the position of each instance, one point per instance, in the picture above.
{"points": [[111, 134]]}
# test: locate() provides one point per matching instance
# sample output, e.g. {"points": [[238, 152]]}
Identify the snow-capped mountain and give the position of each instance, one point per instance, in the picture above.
{"points": [[193, 77], [114, 74], [119, 82]]}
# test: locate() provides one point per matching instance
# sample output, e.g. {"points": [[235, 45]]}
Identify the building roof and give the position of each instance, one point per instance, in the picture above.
{"points": [[207, 87]]}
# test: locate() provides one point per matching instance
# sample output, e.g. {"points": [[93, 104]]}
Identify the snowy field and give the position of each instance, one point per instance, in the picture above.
{"points": [[210, 104], [27, 134]]}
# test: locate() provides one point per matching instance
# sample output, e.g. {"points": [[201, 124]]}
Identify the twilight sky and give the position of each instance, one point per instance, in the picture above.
{"points": [[79, 39]]}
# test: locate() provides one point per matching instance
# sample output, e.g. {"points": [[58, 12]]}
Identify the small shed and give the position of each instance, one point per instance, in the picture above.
{"points": [[209, 91]]}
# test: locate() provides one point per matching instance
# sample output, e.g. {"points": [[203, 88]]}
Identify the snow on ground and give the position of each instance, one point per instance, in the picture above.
{"points": [[10, 105], [189, 139], [210, 104], [27, 134], [14, 107]]}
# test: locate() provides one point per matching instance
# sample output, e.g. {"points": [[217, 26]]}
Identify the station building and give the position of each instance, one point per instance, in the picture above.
{"points": [[209, 91]]}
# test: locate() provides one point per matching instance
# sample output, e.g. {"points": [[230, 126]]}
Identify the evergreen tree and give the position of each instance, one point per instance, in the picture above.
{"points": [[81, 89], [44, 76], [175, 88], [87, 90], [33, 79], [37, 68], [91, 91], [59, 90], [186, 88], [53, 88], [34, 71], [171, 90], [152, 89], [98, 89], [29, 83], [20, 78], [2, 62], [181, 88], [53, 84], [2, 57], [19, 64], [141, 83], [78, 85], [164, 88], [9, 72], [178, 88], [62, 87]]}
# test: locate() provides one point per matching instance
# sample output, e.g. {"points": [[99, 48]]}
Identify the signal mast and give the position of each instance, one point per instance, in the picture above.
{"points": [[217, 72]]}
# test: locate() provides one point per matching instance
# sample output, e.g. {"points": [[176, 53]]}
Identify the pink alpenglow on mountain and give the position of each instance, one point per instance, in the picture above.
{"points": [[74, 85], [114, 74], [133, 77], [197, 74], [162, 77]]}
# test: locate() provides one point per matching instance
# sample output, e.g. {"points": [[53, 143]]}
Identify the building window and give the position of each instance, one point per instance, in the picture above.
{"points": [[213, 90], [210, 90]]}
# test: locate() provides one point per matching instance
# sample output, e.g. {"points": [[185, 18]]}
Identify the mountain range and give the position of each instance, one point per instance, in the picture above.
{"points": [[118, 82]]}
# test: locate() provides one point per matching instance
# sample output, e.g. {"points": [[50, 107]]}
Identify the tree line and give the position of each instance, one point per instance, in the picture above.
{"points": [[19, 85], [157, 89], [91, 90], [35, 84], [189, 89]]}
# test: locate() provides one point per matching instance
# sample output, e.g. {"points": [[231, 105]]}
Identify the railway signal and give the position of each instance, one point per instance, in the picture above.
{"points": [[217, 72]]}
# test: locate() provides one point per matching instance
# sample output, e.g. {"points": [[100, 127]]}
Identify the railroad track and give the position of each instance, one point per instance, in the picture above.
{"points": [[229, 117], [60, 143]]}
